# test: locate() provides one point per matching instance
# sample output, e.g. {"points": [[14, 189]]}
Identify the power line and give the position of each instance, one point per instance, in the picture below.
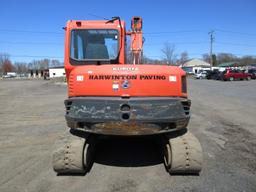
{"points": [[197, 54], [25, 31], [235, 32], [154, 34], [159, 56], [98, 16], [146, 33], [38, 56], [181, 43], [30, 43], [237, 54], [54, 32], [169, 32], [235, 44]]}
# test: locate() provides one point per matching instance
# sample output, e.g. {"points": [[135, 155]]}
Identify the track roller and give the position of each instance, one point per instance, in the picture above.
{"points": [[72, 155], [183, 154]]}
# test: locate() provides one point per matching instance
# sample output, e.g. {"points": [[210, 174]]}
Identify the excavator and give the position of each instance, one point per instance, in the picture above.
{"points": [[109, 97]]}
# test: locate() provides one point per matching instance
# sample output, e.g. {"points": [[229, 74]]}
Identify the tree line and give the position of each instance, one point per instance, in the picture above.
{"points": [[6, 65], [170, 57], [229, 57]]}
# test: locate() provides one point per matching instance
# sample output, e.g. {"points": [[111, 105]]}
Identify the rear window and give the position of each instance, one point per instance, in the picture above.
{"points": [[94, 44]]}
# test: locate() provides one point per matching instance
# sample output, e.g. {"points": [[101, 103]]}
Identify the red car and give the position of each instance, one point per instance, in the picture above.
{"points": [[232, 75]]}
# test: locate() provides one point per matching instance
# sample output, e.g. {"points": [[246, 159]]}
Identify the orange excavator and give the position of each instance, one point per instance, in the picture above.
{"points": [[108, 96]]}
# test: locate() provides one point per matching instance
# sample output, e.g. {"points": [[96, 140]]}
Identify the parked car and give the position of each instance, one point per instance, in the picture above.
{"points": [[232, 75], [252, 72], [215, 74], [201, 74], [8, 76]]}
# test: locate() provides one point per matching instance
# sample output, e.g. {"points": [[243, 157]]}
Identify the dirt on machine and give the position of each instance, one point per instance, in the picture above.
{"points": [[108, 96]]}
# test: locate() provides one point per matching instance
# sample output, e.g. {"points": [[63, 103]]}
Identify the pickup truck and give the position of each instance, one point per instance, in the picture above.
{"points": [[252, 72], [215, 74], [231, 75], [201, 75]]}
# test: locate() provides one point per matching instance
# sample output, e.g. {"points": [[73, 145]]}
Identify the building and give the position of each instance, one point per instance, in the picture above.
{"points": [[194, 65], [230, 64], [57, 72]]}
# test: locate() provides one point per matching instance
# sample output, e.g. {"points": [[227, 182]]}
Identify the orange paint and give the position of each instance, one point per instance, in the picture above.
{"points": [[120, 79]]}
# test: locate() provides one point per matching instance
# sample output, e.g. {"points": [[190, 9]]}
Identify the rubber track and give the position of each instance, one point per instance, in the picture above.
{"points": [[183, 155], [68, 157]]}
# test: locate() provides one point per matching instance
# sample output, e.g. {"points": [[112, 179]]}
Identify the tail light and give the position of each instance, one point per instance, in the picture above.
{"points": [[184, 84]]}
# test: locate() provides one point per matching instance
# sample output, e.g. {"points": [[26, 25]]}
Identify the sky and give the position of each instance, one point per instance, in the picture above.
{"points": [[32, 29]]}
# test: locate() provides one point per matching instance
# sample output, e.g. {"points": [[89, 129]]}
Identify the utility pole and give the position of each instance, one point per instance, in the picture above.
{"points": [[211, 33]]}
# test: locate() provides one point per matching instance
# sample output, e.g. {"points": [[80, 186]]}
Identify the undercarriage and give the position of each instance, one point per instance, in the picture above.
{"points": [[90, 117], [182, 153]]}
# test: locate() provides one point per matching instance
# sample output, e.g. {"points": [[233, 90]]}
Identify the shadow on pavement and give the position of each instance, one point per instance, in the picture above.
{"points": [[129, 151]]}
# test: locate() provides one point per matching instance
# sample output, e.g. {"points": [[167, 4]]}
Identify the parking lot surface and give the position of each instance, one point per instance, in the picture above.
{"points": [[223, 119]]}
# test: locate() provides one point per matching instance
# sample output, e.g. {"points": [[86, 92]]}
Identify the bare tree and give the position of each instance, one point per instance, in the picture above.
{"points": [[226, 57], [183, 58], [206, 57], [148, 60], [169, 53], [44, 64], [34, 65], [55, 63], [21, 67], [214, 60], [229, 57], [41, 64], [7, 66], [5, 63], [3, 58], [246, 60]]}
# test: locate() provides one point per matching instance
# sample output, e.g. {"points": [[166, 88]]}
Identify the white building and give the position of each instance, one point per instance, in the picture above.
{"points": [[193, 66], [57, 72]]}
